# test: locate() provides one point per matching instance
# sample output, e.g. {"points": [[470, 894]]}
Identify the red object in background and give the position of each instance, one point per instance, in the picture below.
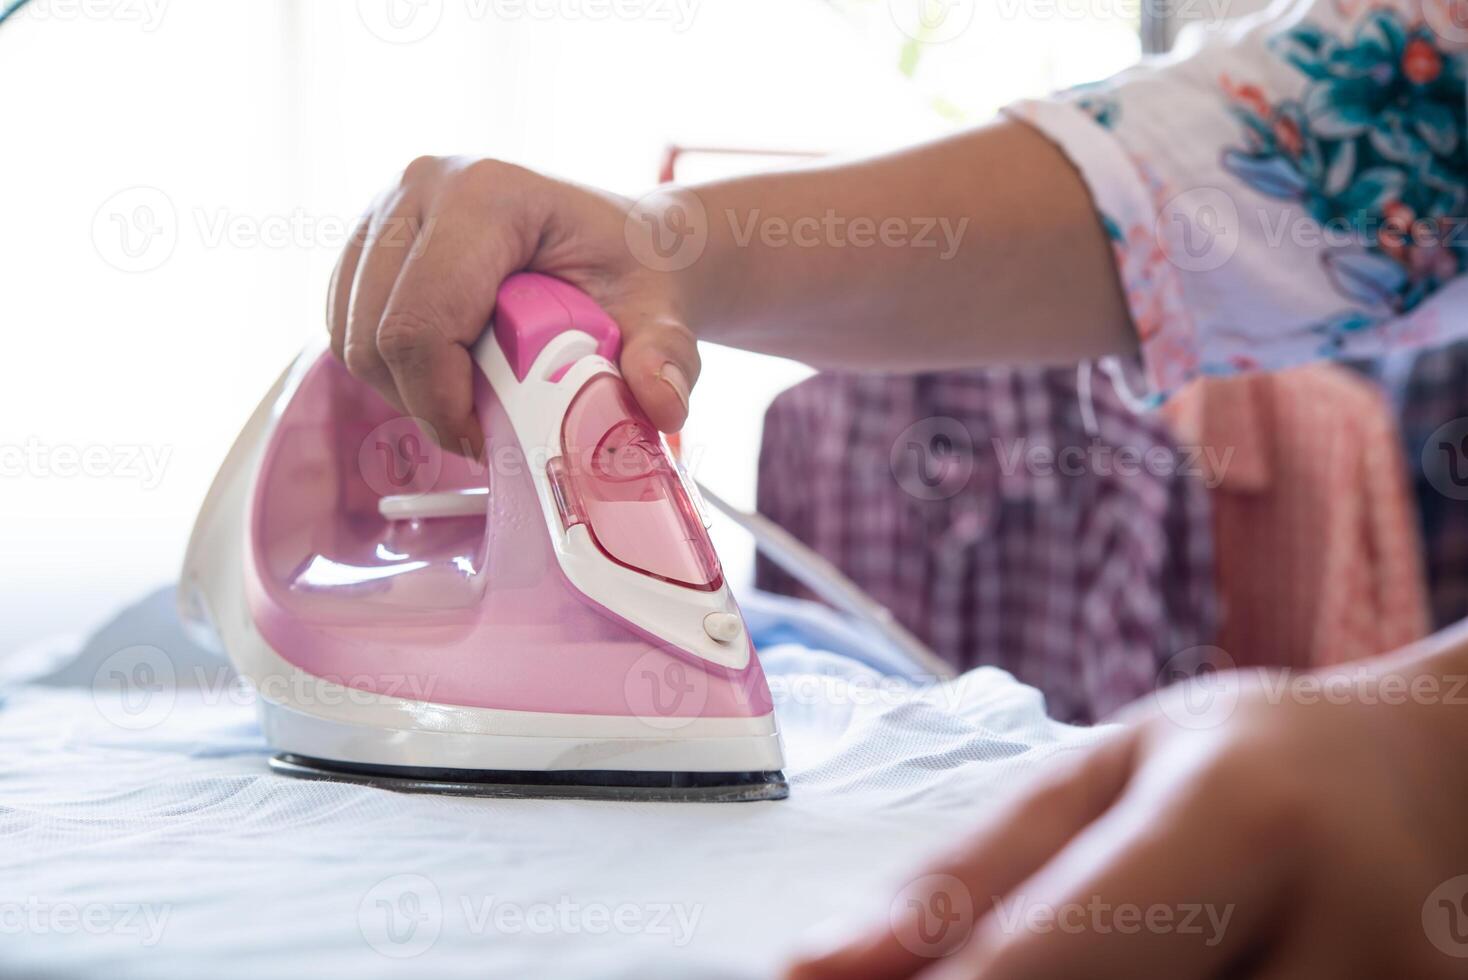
{"points": [[668, 172]]}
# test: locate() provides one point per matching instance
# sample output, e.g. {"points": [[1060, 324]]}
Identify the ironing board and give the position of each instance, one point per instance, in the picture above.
{"points": [[144, 837]]}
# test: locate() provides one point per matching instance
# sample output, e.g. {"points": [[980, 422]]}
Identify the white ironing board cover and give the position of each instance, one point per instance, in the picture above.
{"points": [[166, 849]]}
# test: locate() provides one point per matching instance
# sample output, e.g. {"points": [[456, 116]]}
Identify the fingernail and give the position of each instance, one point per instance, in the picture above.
{"points": [[673, 375]]}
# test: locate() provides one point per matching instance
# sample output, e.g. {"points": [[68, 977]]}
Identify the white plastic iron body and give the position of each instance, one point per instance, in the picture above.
{"points": [[549, 621]]}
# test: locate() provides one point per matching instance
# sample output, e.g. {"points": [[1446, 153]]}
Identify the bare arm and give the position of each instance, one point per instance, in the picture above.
{"points": [[994, 254], [980, 248]]}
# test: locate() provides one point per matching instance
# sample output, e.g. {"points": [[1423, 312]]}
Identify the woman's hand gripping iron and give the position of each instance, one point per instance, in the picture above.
{"points": [[550, 620]]}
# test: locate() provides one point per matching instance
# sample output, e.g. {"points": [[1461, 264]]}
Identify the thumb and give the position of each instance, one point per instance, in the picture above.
{"points": [[659, 362]]}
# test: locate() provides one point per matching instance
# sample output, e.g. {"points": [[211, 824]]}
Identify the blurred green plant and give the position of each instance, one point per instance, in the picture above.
{"points": [[909, 55], [911, 51]]}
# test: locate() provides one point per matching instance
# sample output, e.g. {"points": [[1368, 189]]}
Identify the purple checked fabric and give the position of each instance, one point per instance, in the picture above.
{"points": [[981, 509]]}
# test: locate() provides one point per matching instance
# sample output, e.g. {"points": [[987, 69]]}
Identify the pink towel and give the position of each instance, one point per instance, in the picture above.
{"points": [[1319, 560]]}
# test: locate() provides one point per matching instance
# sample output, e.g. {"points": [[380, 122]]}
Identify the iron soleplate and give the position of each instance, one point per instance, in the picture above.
{"points": [[597, 784]]}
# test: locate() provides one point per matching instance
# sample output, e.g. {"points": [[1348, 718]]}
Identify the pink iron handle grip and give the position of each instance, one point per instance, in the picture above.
{"points": [[533, 309], [612, 475]]}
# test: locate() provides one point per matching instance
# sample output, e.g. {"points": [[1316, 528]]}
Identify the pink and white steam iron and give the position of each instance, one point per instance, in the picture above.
{"points": [[551, 620]]}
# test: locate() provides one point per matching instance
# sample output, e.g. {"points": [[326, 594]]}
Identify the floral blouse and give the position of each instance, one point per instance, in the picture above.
{"points": [[1290, 188]]}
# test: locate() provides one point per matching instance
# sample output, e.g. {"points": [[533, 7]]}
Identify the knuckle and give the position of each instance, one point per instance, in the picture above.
{"points": [[403, 335], [361, 360], [488, 170], [421, 170], [487, 179]]}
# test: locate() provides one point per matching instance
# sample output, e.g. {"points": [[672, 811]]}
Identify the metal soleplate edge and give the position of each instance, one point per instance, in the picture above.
{"points": [[604, 784]]}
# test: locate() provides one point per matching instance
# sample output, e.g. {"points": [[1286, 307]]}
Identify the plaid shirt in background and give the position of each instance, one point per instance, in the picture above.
{"points": [[1430, 392], [981, 511]]}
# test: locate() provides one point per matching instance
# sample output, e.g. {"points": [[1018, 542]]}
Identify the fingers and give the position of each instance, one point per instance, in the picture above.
{"points": [[1022, 839], [442, 301], [1173, 882], [660, 363], [417, 284], [339, 292], [435, 379], [388, 242]]}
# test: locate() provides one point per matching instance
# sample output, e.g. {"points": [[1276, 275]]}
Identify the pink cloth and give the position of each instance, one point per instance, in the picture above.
{"points": [[1319, 560]]}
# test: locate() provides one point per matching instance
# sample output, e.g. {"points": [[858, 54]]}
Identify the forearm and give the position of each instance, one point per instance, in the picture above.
{"points": [[980, 248]]}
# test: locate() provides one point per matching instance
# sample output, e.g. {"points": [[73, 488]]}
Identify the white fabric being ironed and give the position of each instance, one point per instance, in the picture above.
{"points": [[145, 838]]}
